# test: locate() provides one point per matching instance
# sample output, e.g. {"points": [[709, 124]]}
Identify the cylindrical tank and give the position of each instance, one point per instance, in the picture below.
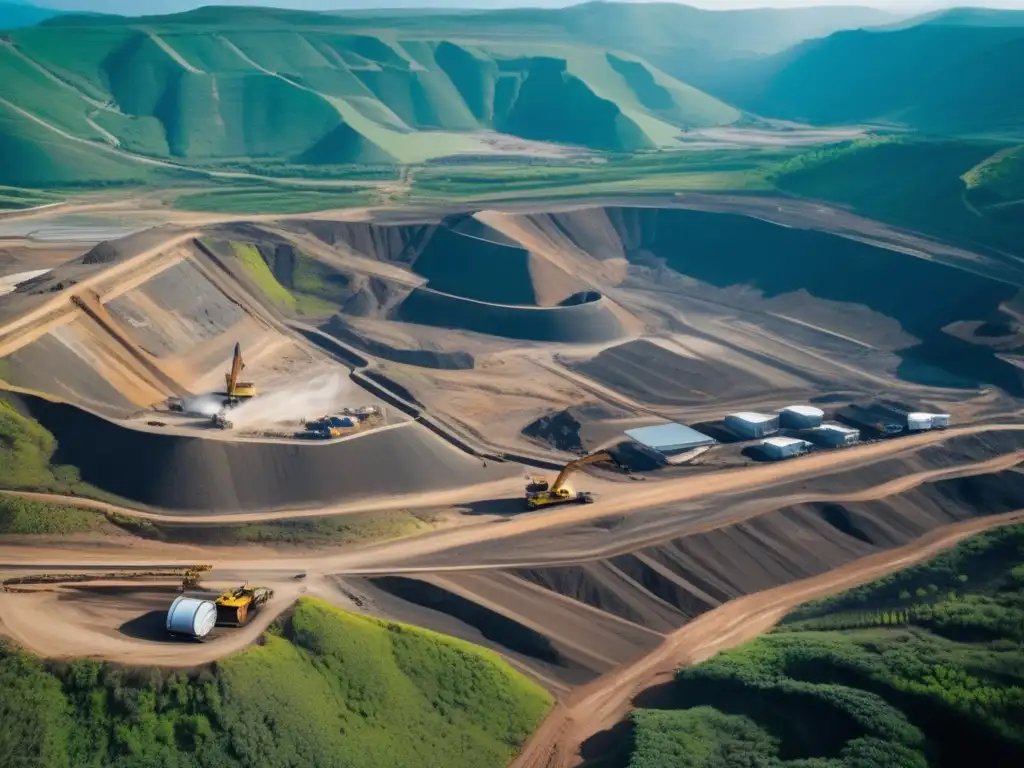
{"points": [[191, 616]]}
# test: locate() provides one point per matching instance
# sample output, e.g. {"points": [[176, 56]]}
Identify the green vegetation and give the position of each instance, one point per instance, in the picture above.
{"points": [[357, 528], [939, 79], [328, 94], [26, 450], [918, 668], [943, 187], [12, 198], [310, 278], [271, 200], [325, 688], [258, 270], [21, 516], [621, 173]]}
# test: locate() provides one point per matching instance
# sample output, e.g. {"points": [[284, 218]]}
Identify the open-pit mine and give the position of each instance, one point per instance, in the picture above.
{"points": [[846, 398]]}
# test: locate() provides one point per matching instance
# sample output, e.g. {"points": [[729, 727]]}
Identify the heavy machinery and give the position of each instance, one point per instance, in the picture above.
{"points": [[234, 606], [556, 492], [237, 390], [193, 575]]}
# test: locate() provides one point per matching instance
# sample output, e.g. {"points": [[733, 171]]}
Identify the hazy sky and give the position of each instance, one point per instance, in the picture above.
{"points": [[138, 7]]}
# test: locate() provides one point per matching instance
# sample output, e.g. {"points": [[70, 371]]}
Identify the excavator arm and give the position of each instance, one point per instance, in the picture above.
{"points": [[236, 370], [573, 466]]}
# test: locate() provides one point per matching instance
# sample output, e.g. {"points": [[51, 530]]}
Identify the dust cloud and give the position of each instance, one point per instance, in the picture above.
{"points": [[310, 400]]}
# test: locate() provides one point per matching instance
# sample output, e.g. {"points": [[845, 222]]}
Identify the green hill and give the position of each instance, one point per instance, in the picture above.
{"points": [[324, 688], [224, 84], [970, 192], [936, 78], [921, 668]]}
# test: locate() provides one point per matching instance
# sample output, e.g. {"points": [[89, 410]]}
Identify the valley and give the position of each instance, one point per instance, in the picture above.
{"points": [[376, 312]]}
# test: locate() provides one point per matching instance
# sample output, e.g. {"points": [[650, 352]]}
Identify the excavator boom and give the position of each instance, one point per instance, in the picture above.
{"points": [[573, 466], [236, 388], [557, 493]]}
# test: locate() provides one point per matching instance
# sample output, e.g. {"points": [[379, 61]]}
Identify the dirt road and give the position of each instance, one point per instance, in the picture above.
{"points": [[605, 702], [615, 499]]}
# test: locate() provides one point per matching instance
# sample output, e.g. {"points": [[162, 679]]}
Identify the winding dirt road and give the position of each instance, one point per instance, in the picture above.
{"points": [[606, 701]]}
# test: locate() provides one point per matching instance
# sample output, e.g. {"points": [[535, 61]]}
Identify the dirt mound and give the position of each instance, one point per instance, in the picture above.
{"points": [[424, 358], [651, 373], [173, 472], [668, 584], [726, 250], [560, 430], [581, 324]]}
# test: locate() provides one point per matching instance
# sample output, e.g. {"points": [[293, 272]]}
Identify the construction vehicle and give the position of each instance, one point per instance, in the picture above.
{"points": [[536, 484], [556, 492], [193, 575], [234, 607], [237, 390]]}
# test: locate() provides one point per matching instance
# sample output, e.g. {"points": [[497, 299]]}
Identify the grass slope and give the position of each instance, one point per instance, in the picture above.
{"points": [[310, 277], [325, 688], [954, 189], [919, 668], [233, 84], [949, 80]]}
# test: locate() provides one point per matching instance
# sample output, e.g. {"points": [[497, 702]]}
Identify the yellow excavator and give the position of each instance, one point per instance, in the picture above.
{"points": [[238, 390], [540, 494]]}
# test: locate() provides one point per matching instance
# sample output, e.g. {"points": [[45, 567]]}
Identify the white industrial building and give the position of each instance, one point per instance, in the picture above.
{"points": [[917, 422], [800, 417], [749, 424], [834, 435], [784, 447], [667, 439]]}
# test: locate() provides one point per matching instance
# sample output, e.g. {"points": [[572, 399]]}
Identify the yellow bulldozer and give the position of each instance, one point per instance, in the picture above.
{"points": [[539, 493], [234, 607]]}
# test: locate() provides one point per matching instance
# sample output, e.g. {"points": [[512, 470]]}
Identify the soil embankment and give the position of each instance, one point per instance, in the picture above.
{"points": [[589, 322], [174, 472]]}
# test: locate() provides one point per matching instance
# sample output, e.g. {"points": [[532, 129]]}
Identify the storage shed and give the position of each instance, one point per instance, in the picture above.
{"points": [[191, 617], [834, 435], [750, 424], [800, 417], [918, 422], [784, 447], [871, 418], [669, 438]]}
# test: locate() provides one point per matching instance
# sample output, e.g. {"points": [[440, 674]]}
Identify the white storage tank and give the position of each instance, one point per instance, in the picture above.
{"points": [[835, 435], [800, 417], [749, 424], [191, 616], [784, 447]]}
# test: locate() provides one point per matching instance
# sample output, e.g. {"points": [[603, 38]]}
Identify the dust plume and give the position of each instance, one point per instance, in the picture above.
{"points": [[310, 400]]}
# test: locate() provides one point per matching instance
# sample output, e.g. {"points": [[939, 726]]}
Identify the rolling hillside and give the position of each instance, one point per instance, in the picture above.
{"points": [[19, 14], [227, 84], [948, 79]]}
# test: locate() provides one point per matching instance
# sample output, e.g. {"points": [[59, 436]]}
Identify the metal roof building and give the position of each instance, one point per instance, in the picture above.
{"points": [[784, 447], [750, 424], [669, 438], [800, 417], [834, 435]]}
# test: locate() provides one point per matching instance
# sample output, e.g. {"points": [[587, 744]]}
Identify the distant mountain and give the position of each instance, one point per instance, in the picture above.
{"points": [[965, 17], [936, 78], [15, 14]]}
